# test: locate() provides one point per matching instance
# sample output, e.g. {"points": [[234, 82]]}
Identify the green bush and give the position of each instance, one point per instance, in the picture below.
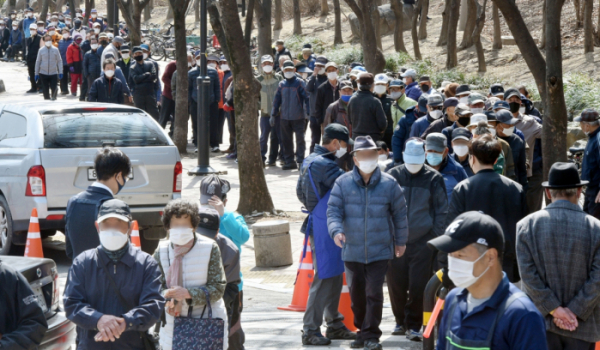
{"points": [[345, 56], [396, 60], [295, 43]]}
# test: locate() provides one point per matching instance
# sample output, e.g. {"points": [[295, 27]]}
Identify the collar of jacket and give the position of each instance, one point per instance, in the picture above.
{"points": [[128, 258], [410, 85], [429, 118], [322, 151], [419, 173], [447, 121], [373, 181], [401, 98], [500, 294], [563, 204], [410, 113], [97, 189], [593, 133]]}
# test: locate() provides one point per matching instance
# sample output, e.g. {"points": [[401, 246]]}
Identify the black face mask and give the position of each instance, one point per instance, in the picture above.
{"points": [[464, 121], [424, 87], [139, 58], [514, 107]]}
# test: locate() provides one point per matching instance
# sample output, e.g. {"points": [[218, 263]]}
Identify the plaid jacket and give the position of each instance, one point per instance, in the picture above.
{"points": [[558, 251]]}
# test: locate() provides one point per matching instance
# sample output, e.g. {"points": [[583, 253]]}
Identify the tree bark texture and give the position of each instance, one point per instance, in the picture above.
{"points": [[254, 193], [262, 11], [44, 12], [197, 11], [443, 39], [147, 13], [554, 139], [375, 19], [497, 44], [337, 38], [278, 15], [452, 57], [479, 23], [398, 8], [467, 40], [373, 56], [217, 26], [578, 19], [248, 24], [132, 14], [598, 25], [110, 13], [89, 5], [423, 22], [543, 39], [324, 8], [413, 32], [588, 26], [297, 18]]}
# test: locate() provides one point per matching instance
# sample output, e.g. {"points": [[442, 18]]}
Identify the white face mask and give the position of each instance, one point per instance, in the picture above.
{"points": [[382, 157], [380, 89], [521, 110], [404, 81], [340, 152], [68, 22], [413, 168], [94, 16], [96, 30], [321, 71], [125, 56], [289, 75], [181, 235], [28, 15], [15, 28], [198, 62], [54, 24], [492, 131], [145, 55], [477, 110], [461, 151], [268, 69], [508, 131], [461, 271], [212, 65], [367, 166], [464, 100], [437, 114], [395, 95], [94, 46], [112, 239], [52, 32], [189, 64], [332, 75], [33, 32], [66, 36], [48, 43], [225, 67], [109, 73]]}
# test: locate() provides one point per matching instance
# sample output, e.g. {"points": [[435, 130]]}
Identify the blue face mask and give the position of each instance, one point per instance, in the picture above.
{"points": [[346, 98], [120, 187], [434, 159]]}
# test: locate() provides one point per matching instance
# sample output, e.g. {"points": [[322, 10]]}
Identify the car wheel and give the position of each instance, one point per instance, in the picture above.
{"points": [[6, 231], [148, 245]]}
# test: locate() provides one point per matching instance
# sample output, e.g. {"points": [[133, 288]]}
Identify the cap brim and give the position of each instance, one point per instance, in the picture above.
{"points": [[436, 104], [204, 198], [365, 149], [477, 101], [577, 119], [206, 231], [461, 138], [447, 244], [580, 184], [112, 215], [413, 159], [441, 150], [349, 141], [513, 94], [462, 114], [498, 94]]}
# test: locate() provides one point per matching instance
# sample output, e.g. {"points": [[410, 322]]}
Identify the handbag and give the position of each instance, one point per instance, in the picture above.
{"points": [[150, 341], [199, 333]]}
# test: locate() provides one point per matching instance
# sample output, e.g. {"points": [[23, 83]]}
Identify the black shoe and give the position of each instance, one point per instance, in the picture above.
{"points": [[357, 344], [289, 166], [340, 333], [399, 330], [271, 163], [31, 91], [64, 92], [372, 345], [314, 339]]}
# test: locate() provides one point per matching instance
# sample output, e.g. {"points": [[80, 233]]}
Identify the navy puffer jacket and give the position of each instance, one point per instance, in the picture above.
{"points": [[373, 217]]}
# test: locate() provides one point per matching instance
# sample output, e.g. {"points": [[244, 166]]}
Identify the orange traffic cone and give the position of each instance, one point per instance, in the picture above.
{"points": [[33, 249], [345, 307], [598, 345], [303, 281], [135, 235]]}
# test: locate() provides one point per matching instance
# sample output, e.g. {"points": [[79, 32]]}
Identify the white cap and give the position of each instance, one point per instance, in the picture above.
{"points": [[409, 73], [33, 26], [381, 79], [476, 118]]}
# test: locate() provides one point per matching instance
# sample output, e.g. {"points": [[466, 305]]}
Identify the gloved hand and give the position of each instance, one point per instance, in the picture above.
{"points": [[37, 77], [272, 121], [446, 281], [72, 69], [60, 76]]}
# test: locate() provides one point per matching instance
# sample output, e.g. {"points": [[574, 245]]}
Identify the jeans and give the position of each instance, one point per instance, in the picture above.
{"points": [[289, 128], [275, 133], [49, 82], [365, 282]]}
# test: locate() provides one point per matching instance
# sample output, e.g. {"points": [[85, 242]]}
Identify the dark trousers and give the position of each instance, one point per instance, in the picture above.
{"points": [[535, 192], [275, 135], [83, 89], [12, 51], [221, 124], [365, 282], [167, 113], [64, 82], [315, 133], [560, 342], [214, 124], [407, 277], [236, 333], [90, 79], [31, 70], [147, 102], [289, 128], [231, 127], [49, 83], [589, 206], [193, 110]]}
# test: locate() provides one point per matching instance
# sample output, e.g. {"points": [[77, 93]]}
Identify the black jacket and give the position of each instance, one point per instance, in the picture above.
{"points": [[284, 52], [366, 115], [22, 321], [33, 46], [125, 68], [82, 212], [494, 195], [108, 91], [386, 103], [142, 77], [437, 126], [326, 95], [517, 146], [312, 86], [4, 35]]}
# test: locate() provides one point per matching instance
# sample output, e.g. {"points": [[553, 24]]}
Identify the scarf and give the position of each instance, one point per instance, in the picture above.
{"points": [[175, 274], [116, 255]]}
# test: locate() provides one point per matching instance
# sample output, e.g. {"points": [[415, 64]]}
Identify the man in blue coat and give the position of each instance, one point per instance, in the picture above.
{"points": [[412, 87], [214, 95], [589, 121], [317, 176], [367, 203], [435, 105], [438, 158]]}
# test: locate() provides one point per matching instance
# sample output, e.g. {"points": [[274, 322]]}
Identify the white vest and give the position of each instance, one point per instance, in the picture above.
{"points": [[195, 272]]}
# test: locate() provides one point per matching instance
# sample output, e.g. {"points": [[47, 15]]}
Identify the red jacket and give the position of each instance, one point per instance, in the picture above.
{"points": [[74, 54], [221, 75], [166, 79]]}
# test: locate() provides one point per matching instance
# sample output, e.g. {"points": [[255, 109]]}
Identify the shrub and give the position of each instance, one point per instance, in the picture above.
{"points": [[295, 42], [345, 56]]}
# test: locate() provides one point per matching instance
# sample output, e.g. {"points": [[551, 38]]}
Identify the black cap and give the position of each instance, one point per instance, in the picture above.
{"points": [[451, 102], [491, 116], [461, 133], [505, 117], [424, 78], [339, 132], [307, 46], [364, 142], [461, 89], [422, 103], [496, 89], [213, 185], [288, 64], [355, 64], [468, 228], [511, 92], [124, 47], [346, 84], [136, 49], [114, 208], [587, 115], [563, 175], [321, 60], [209, 222]]}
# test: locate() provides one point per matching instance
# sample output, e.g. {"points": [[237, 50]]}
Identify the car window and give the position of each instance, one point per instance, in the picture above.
{"points": [[12, 126], [81, 130]]}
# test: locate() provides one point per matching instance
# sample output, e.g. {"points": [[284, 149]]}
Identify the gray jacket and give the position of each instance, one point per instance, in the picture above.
{"points": [[558, 251], [48, 61]]}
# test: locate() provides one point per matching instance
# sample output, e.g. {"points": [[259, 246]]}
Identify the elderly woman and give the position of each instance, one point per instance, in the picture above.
{"points": [[189, 262]]}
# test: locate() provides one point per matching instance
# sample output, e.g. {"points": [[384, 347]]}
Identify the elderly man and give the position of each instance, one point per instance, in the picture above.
{"points": [[589, 121], [312, 85], [412, 89], [113, 48], [48, 68], [448, 120], [366, 202], [107, 88], [438, 157], [485, 311], [401, 101], [113, 291], [142, 80], [558, 249], [281, 51], [365, 110], [269, 82], [435, 107], [327, 93]]}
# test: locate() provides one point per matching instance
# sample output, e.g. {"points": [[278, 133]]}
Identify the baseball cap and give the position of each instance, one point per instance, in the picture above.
{"points": [[462, 109], [476, 118], [339, 132], [355, 73], [266, 58], [346, 84], [510, 93], [397, 83], [476, 97], [321, 61], [463, 90], [114, 208], [223, 58], [491, 116], [362, 143], [279, 42], [501, 105], [587, 115], [118, 39], [381, 79], [451, 102], [436, 141], [461, 134], [409, 73], [468, 228], [414, 152], [139, 49], [209, 222], [213, 185], [505, 117], [331, 64], [422, 103], [497, 89], [33, 26], [424, 78], [213, 57], [435, 100], [124, 48], [288, 64], [302, 68]]}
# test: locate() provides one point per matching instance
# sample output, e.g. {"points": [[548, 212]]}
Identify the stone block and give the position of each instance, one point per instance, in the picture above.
{"points": [[272, 243]]}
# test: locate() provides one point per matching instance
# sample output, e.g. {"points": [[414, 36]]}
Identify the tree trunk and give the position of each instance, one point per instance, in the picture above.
{"points": [[89, 5], [373, 56], [278, 16], [197, 11], [423, 24], [12, 4], [217, 26], [413, 32], [148, 14], [497, 45], [375, 18], [72, 7], [110, 13], [324, 8], [479, 23], [262, 11], [397, 7], [452, 57], [254, 193], [248, 25], [598, 25], [588, 26], [462, 19], [297, 18], [132, 14], [169, 13], [443, 40], [578, 19], [467, 40], [554, 133], [337, 38], [543, 39], [44, 12]]}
